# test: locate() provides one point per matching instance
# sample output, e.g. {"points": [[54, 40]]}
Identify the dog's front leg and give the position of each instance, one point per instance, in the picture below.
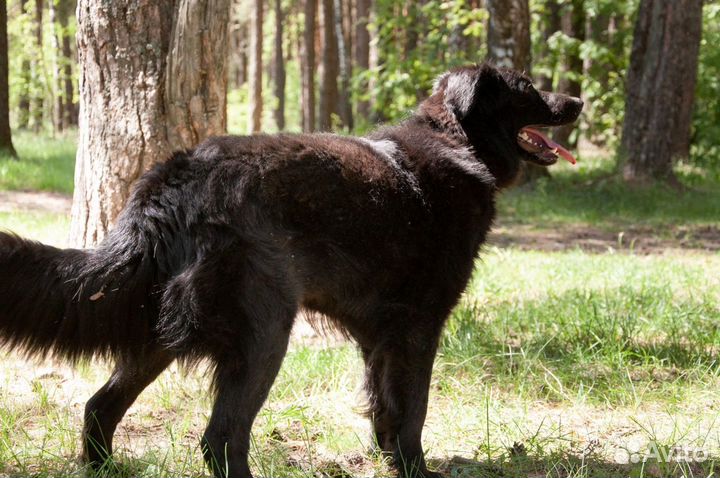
{"points": [[398, 381]]}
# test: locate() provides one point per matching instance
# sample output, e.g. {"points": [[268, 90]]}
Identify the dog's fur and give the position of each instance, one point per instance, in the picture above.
{"points": [[218, 248]]}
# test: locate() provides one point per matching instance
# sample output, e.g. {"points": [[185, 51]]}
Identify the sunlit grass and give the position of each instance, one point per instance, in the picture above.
{"points": [[43, 164]]}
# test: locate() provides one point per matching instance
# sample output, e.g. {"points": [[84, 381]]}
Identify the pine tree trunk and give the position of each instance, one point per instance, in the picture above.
{"points": [[69, 108], [58, 103], [509, 46], [279, 68], [328, 84], [344, 108], [256, 46], [6, 145], [126, 116], [196, 79], [23, 119], [509, 33], [362, 52], [551, 24], [37, 105], [308, 67], [661, 86], [573, 25]]}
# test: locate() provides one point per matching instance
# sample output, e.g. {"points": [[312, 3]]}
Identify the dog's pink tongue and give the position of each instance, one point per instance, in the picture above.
{"points": [[557, 149]]}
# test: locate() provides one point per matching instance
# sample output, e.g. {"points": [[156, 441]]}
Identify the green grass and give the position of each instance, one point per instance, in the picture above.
{"points": [[590, 193], [44, 164]]}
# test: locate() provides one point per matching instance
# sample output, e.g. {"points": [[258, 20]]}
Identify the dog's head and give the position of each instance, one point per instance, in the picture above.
{"points": [[500, 114]]}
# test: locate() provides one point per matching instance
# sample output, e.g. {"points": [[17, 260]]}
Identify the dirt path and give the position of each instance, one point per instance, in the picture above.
{"points": [[638, 239], [30, 201]]}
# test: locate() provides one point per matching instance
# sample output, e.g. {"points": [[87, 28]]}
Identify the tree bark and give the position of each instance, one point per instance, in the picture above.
{"points": [[6, 145], [23, 119], [661, 86], [509, 47], [551, 24], [344, 108], [128, 114], [196, 79], [308, 67], [362, 52], [256, 44], [509, 33], [328, 84], [279, 68], [37, 67], [573, 25]]}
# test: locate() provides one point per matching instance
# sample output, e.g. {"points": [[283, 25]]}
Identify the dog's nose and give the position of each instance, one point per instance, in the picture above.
{"points": [[578, 103]]}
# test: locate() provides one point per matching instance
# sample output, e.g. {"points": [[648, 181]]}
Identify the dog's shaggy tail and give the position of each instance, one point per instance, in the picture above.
{"points": [[75, 303]]}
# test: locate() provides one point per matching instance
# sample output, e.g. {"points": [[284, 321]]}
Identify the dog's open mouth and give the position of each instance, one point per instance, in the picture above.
{"points": [[542, 149]]}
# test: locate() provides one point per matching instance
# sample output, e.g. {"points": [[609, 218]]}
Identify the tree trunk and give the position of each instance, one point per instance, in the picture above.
{"points": [[509, 33], [362, 52], [328, 84], [551, 24], [509, 46], [196, 79], [37, 105], [6, 145], [573, 25], [57, 107], [660, 88], [23, 119], [279, 68], [127, 117], [308, 67], [256, 47], [344, 108], [70, 108]]}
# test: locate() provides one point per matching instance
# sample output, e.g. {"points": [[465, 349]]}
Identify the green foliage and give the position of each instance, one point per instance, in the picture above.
{"points": [[706, 121]]}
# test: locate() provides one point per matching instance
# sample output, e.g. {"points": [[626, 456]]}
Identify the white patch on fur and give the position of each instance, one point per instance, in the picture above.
{"points": [[464, 159], [389, 151], [460, 93], [438, 80]]}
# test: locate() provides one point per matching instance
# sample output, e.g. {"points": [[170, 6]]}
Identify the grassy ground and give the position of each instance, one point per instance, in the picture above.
{"points": [[554, 364]]}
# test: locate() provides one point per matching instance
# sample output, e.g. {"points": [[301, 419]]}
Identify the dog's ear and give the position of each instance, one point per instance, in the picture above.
{"points": [[464, 89]]}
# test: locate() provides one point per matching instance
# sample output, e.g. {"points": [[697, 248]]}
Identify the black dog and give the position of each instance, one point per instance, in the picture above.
{"points": [[218, 249]]}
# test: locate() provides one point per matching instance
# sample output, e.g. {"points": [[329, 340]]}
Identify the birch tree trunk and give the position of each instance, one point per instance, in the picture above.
{"points": [[509, 33], [129, 118], [661, 87]]}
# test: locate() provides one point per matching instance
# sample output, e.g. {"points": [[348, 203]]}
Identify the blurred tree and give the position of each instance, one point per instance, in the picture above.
{"points": [[6, 145], [362, 54], [279, 67], [37, 68], [345, 66], [256, 66], [550, 18], [573, 26], [661, 85], [330, 67], [64, 111], [23, 119], [508, 35], [308, 67], [128, 123]]}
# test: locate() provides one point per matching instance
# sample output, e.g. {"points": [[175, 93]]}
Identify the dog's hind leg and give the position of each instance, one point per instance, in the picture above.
{"points": [[106, 408], [398, 372], [247, 360]]}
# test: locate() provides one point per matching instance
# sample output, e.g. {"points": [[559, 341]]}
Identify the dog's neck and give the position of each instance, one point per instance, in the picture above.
{"points": [[498, 154]]}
